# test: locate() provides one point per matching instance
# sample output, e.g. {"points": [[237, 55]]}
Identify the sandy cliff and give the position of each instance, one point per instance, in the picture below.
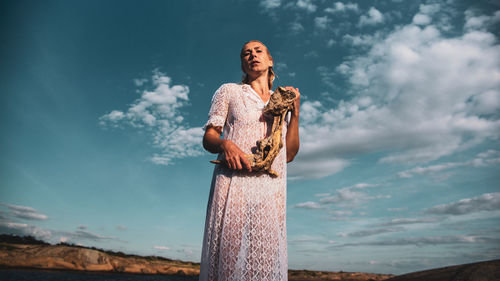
{"points": [[62, 257], [74, 258]]}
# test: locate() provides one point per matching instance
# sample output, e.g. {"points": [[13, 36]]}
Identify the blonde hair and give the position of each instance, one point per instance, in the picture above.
{"points": [[270, 73]]}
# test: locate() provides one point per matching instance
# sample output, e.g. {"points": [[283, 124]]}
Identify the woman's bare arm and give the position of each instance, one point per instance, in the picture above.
{"points": [[234, 156], [292, 134]]}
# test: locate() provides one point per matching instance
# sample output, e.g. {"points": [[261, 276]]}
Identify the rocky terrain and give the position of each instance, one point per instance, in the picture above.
{"points": [[62, 257], [480, 271], [335, 275], [76, 258], [19, 252]]}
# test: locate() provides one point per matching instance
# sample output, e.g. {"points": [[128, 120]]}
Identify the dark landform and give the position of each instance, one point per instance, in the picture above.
{"points": [[479, 271], [29, 253]]}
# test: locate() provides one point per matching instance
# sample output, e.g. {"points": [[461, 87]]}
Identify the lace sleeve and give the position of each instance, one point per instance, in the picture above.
{"points": [[218, 111]]}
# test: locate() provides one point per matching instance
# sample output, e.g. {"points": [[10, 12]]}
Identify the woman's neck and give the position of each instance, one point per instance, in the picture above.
{"points": [[260, 86]]}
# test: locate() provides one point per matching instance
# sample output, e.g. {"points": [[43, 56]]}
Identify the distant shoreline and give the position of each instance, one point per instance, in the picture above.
{"points": [[27, 253]]}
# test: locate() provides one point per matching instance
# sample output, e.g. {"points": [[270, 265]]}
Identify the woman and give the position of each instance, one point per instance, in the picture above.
{"points": [[245, 229]]}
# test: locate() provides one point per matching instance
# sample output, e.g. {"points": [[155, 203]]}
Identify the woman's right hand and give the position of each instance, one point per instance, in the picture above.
{"points": [[235, 157]]}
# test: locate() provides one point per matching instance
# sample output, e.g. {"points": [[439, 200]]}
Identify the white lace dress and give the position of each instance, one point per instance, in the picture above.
{"points": [[245, 228]]}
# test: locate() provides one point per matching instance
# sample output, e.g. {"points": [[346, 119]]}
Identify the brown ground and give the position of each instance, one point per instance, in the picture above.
{"points": [[480, 271], [76, 258], [64, 257]]}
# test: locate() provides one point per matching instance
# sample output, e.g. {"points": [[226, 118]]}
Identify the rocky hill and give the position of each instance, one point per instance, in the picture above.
{"points": [[63, 257], [26, 252], [77, 258], [480, 271]]}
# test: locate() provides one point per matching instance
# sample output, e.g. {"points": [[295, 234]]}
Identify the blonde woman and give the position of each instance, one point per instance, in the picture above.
{"points": [[245, 228]]}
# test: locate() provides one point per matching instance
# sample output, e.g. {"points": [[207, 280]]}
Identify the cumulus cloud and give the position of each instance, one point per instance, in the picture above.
{"points": [[372, 17], [158, 112], [270, 4], [397, 209], [163, 248], [25, 212], [23, 229], [371, 232], [417, 96], [485, 202], [486, 158], [321, 22], [121, 227], [424, 16], [423, 241], [363, 40], [346, 197], [140, 81], [281, 66], [407, 221], [296, 27], [306, 5], [309, 205], [350, 197], [480, 22], [339, 7], [87, 235], [428, 169], [310, 168]]}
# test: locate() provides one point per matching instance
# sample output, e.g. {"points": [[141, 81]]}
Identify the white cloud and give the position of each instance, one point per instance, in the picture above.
{"points": [[486, 158], [429, 9], [307, 168], [296, 27], [421, 19], [163, 248], [270, 4], [139, 82], [371, 232], [121, 227], [341, 7], [23, 229], [360, 40], [29, 216], [87, 235], [428, 169], [25, 212], [485, 202], [281, 66], [423, 241], [351, 196], [425, 14], [480, 22], [306, 5], [416, 96], [347, 197], [309, 205], [372, 17], [321, 22], [158, 111], [340, 213], [397, 209], [406, 221]]}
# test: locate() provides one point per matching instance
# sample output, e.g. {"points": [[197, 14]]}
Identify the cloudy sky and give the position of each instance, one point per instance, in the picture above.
{"points": [[103, 102]]}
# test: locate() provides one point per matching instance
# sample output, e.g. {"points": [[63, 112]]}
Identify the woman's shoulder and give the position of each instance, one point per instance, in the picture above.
{"points": [[231, 86]]}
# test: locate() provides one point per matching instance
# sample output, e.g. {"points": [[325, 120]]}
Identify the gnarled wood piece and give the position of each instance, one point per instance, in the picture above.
{"points": [[280, 103]]}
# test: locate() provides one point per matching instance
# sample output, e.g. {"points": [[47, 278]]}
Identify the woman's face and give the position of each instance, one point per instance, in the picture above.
{"points": [[255, 58]]}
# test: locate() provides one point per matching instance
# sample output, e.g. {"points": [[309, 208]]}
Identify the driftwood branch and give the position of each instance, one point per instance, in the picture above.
{"points": [[280, 103]]}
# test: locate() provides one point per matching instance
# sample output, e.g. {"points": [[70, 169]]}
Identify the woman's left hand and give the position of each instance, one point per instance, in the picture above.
{"points": [[296, 103]]}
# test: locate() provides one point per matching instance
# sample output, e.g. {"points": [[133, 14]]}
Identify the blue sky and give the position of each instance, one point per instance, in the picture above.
{"points": [[103, 104]]}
